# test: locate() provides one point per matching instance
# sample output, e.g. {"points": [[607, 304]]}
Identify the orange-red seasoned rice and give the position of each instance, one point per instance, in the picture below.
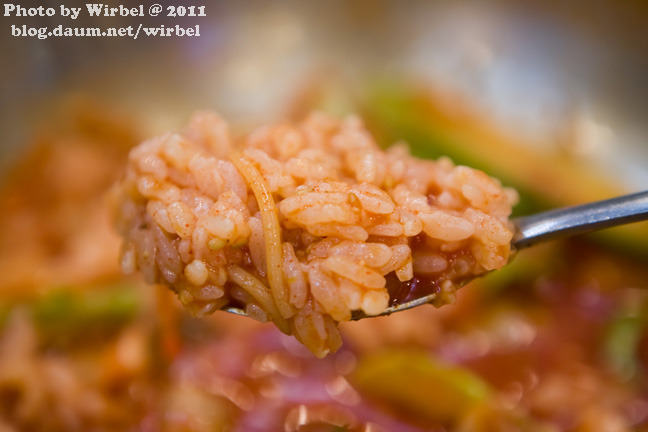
{"points": [[301, 224]]}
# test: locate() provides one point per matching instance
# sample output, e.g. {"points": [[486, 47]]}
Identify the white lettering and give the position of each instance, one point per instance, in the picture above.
{"points": [[71, 12], [94, 9], [40, 33], [99, 9], [20, 11], [151, 31]]}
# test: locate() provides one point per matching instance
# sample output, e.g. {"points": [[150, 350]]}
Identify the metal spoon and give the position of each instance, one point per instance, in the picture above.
{"points": [[550, 225]]}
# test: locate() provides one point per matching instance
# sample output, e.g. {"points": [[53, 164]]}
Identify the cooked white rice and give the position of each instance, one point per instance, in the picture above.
{"points": [[301, 224]]}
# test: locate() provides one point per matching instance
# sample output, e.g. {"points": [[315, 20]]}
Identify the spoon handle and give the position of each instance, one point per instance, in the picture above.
{"points": [[569, 221]]}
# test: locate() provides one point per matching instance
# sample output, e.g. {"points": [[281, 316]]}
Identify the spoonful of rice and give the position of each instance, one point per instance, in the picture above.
{"points": [[310, 224]]}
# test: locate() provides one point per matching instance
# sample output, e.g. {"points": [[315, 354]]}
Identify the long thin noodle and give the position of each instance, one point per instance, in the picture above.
{"points": [[271, 232], [260, 293]]}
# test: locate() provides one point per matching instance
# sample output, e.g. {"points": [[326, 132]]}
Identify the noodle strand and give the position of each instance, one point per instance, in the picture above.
{"points": [[271, 232], [260, 293]]}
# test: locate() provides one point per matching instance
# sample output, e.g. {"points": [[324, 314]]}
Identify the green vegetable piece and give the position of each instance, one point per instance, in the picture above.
{"points": [[110, 304], [621, 345], [66, 315], [420, 386], [400, 111], [4, 314]]}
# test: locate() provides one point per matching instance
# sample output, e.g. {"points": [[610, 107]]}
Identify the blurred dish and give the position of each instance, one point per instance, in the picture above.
{"points": [[556, 341]]}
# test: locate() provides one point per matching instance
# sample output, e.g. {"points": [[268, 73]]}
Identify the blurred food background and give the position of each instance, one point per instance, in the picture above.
{"points": [[550, 97]]}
